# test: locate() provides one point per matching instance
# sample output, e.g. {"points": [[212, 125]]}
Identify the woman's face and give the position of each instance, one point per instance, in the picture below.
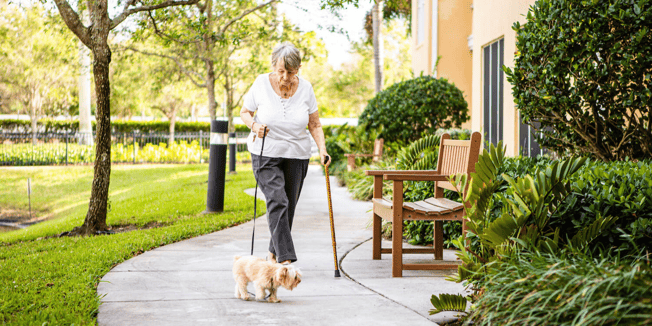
{"points": [[284, 76]]}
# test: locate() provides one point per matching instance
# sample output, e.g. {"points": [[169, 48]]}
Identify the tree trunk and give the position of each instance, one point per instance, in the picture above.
{"points": [[33, 115], [377, 16], [210, 88], [85, 125], [96, 217], [35, 104], [173, 120], [228, 88]]}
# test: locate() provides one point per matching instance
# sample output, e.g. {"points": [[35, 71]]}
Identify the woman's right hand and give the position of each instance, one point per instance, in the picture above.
{"points": [[259, 128]]}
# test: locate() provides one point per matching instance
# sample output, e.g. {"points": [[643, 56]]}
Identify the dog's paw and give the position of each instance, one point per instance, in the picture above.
{"points": [[273, 300]]}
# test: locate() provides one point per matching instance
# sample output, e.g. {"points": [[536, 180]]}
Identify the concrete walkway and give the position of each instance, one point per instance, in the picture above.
{"points": [[190, 282]]}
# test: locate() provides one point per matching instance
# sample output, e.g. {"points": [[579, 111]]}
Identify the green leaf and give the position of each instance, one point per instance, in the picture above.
{"points": [[586, 235], [502, 229], [448, 302]]}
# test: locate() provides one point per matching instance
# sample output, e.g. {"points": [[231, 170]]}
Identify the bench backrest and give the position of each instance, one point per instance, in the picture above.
{"points": [[456, 156]]}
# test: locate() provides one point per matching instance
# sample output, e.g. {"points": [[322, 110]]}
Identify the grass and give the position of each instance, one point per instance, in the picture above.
{"points": [[541, 289], [54, 280]]}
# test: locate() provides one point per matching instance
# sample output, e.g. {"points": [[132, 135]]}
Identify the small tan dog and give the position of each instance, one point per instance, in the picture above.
{"points": [[266, 275]]}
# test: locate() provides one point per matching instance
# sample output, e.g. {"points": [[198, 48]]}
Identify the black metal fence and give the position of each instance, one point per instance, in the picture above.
{"points": [[131, 147]]}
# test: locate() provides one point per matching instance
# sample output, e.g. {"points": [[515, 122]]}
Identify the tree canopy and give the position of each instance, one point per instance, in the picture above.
{"points": [[39, 58]]}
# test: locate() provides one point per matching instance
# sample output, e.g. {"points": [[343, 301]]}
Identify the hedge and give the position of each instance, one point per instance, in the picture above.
{"points": [[50, 125]]}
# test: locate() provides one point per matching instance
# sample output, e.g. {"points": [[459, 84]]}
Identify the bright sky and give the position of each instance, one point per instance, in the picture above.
{"points": [[308, 17]]}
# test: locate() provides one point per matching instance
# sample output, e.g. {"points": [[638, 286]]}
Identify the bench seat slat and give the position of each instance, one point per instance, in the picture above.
{"points": [[425, 208], [445, 203]]}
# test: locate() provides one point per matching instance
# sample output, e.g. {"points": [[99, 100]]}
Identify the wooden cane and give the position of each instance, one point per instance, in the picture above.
{"points": [[330, 213]]}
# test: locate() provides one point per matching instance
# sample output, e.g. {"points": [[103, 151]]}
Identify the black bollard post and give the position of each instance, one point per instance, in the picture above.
{"points": [[232, 152], [217, 166]]}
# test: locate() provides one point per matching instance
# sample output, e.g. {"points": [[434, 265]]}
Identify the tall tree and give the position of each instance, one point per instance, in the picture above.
{"points": [[201, 39], [37, 59], [377, 17], [381, 9], [95, 37], [345, 92]]}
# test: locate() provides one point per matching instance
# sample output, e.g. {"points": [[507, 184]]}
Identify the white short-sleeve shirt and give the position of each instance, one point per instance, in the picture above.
{"points": [[286, 119]]}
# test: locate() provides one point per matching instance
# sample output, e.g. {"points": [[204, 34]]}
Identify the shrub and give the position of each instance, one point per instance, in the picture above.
{"points": [[583, 71], [571, 207], [408, 110], [177, 152], [348, 139], [622, 189]]}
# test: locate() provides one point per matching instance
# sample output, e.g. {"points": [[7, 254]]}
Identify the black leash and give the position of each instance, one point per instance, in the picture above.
{"points": [[260, 158]]}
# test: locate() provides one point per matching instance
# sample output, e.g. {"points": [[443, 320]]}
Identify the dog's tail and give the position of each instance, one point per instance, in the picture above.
{"points": [[235, 258]]}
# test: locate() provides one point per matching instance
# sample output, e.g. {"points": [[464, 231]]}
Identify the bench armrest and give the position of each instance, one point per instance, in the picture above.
{"points": [[416, 177], [384, 172], [361, 155]]}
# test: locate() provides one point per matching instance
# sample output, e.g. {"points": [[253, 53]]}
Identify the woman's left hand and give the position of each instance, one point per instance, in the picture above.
{"points": [[323, 155]]}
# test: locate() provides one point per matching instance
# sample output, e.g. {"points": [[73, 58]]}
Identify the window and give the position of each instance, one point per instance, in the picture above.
{"points": [[528, 139], [421, 21], [492, 101]]}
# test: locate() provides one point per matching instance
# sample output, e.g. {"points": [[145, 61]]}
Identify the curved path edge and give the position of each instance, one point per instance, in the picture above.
{"points": [[190, 282]]}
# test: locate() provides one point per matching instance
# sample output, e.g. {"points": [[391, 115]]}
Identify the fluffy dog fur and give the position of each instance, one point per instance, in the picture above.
{"points": [[266, 275]]}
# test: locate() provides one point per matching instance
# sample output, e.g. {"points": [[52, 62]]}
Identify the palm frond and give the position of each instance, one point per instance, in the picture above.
{"points": [[427, 162], [411, 155], [590, 232], [448, 302]]}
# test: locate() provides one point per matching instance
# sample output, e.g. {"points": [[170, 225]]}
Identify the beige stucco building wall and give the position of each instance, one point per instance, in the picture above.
{"points": [[452, 27], [493, 20]]}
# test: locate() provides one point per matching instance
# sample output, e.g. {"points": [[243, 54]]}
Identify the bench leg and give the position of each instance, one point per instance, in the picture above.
{"points": [[397, 247], [350, 163], [438, 243], [377, 237]]}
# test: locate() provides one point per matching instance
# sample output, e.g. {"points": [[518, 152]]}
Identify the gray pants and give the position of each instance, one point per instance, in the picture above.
{"points": [[281, 180]]}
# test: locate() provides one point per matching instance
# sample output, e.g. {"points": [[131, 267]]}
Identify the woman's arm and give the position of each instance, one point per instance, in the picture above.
{"points": [[314, 125], [248, 119]]}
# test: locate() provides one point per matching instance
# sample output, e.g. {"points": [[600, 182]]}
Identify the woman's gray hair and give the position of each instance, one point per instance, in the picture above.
{"points": [[290, 55]]}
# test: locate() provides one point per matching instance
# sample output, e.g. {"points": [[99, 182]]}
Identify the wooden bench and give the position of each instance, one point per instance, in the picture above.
{"points": [[377, 155], [455, 156]]}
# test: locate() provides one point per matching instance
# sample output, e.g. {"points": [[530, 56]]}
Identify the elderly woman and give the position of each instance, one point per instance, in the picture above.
{"points": [[283, 104]]}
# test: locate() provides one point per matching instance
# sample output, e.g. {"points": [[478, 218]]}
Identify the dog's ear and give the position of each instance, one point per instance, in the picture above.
{"points": [[284, 273]]}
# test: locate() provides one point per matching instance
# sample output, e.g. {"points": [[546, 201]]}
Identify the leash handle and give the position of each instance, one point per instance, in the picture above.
{"points": [[260, 158]]}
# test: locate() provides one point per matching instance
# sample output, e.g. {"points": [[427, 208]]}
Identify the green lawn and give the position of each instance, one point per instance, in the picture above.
{"points": [[54, 280]]}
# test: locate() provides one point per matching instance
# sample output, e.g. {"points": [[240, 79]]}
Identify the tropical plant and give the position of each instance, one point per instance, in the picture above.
{"points": [[523, 223], [419, 155], [447, 302], [582, 76], [361, 186], [408, 110]]}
